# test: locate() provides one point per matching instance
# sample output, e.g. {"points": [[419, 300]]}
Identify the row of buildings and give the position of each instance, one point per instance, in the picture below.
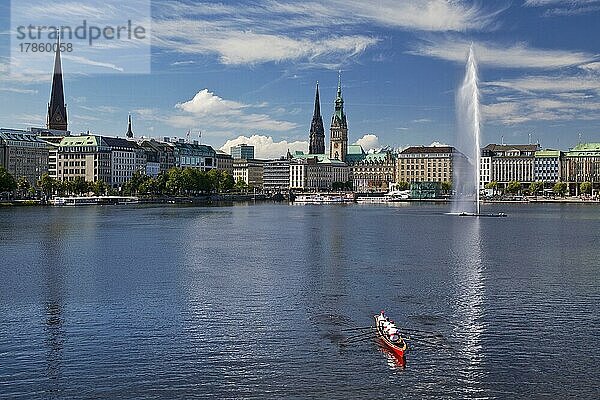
{"points": [[53, 150]]}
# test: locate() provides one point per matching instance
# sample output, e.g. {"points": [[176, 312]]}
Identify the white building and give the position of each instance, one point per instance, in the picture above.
{"points": [[315, 172]]}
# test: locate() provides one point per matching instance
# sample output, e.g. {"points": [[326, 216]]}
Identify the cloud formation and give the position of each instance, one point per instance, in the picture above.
{"points": [[369, 142], [207, 111], [265, 147], [518, 55]]}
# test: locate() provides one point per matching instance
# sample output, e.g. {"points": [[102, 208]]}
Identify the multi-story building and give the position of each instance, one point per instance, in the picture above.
{"points": [[84, 156], [582, 164], [314, 172], [513, 162], [126, 158], [194, 155], [160, 156], [547, 166], [224, 161], [250, 171], [242, 151], [428, 164], [485, 170], [276, 176], [23, 154], [372, 172]]}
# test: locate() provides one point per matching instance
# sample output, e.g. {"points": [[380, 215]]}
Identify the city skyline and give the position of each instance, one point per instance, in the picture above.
{"points": [[217, 69]]}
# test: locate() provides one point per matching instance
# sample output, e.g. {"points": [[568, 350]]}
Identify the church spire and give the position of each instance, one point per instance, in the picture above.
{"points": [[317, 132], [57, 109], [129, 133]]}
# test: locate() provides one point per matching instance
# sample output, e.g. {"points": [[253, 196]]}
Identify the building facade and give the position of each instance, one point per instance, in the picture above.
{"points": [[242, 151], [160, 156], [224, 161], [316, 172], [428, 164], [250, 171], [372, 172], [582, 164], [512, 163], [547, 166], [194, 155], [23, 154], [276, 176], [126, 158], [84, 156]]}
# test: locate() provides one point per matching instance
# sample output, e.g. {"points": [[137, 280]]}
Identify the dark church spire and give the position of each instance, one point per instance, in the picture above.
{"points": [[317, 132], [57, 109], [129, 133]]}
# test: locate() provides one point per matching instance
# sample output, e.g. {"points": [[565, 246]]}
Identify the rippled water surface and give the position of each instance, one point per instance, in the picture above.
{"points": [[250, 301]]}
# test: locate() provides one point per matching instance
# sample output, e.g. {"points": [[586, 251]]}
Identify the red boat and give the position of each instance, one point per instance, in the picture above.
{"points": [[388, 332]]}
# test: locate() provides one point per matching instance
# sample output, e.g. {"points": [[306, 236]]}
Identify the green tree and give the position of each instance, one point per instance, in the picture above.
{"points": [[493, 186], [23, 186], [174, 184], [446, 187], [240, 185], [536, 187], [100, 188], [585, 187], [79, 185], [560, 188], [214, 180], [48, 185], [403, 185], [513, 187], [227, 182], [7, 181]]}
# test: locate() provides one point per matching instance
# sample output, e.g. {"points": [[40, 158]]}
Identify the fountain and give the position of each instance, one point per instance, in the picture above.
{"points": [[467, 180]]}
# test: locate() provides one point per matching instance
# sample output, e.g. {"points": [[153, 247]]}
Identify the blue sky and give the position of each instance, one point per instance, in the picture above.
{"points": [[248, 68]]}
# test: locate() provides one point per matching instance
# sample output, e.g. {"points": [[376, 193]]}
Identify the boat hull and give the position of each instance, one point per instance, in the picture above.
{"points": [[398, 351]]}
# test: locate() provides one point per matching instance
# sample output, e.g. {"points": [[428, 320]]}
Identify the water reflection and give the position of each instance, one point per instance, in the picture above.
{"points": [[469, 283], [53, 307]]}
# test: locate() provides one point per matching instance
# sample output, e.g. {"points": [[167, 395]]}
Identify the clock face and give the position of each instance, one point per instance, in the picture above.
{"points": [[336, 145], [58, 118]]}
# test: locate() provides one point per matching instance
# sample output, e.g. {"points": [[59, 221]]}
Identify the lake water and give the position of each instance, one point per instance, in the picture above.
{"points": [[249, 301]]}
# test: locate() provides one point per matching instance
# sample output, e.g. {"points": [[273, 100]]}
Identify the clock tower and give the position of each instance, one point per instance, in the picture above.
{"points": [[338, 140]]}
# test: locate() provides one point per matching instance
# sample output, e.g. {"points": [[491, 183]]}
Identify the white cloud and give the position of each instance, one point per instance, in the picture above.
{"points": [[207, 103], [323, 33], [542, 98], [438, 144], [515, 56], [265, 146], [564, 7], [368, 142], [17, 90], [207, 111]]}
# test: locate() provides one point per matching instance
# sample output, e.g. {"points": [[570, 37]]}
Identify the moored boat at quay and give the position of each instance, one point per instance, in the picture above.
{"points": [[93, 200], [323, 198]]}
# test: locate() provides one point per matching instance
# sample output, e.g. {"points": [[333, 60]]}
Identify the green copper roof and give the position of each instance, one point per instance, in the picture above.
{"points": [[80, 141], [585, 150], [547, 153], [355, 149]]}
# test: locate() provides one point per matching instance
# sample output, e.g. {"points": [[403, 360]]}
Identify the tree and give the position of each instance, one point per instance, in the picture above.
{"points": [[227, 182], [79, 185], [535, 187], [513, 187], [493, 186], [240, 185], [7, 181], [585, 187], [403, 185], [100, 188], [23, 186], [446, 186], [560, 188], [48, 185]]}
